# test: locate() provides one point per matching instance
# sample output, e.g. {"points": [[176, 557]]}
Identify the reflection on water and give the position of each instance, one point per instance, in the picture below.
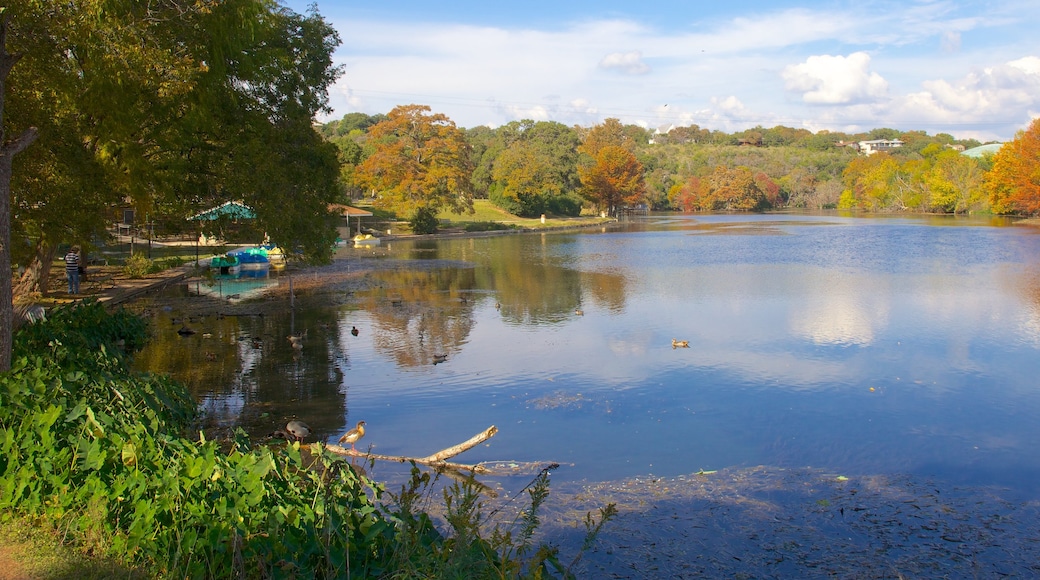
{"points": [[859, 345]]}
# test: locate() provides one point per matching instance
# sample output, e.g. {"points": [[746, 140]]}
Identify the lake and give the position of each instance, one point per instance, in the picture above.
{"points": [[855, 345]]}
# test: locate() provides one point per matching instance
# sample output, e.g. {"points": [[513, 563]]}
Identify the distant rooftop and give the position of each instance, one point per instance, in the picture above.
{"points": [[983, 150]]}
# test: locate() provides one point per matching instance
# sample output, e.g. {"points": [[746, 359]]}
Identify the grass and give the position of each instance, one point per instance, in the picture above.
{"points": [[28, 550], [485, 212]]}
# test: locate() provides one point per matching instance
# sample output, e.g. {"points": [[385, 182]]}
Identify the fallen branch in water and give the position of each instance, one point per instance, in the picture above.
{"points": [[496, 468], [435, 460]]}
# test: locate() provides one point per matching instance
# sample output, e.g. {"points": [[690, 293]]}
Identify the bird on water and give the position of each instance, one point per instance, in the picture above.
{"points": [[354, 435]]}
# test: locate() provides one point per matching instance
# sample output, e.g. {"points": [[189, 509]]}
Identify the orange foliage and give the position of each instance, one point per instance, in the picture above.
{"points": [[615, 180], [420, 160], [1014, 182]]}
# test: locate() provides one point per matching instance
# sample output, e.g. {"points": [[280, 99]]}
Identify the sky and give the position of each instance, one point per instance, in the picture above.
{"points": [[967, 68]]}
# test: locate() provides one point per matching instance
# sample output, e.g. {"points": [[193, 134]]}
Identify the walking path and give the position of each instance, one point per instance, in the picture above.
{"points": [[117, 290]]}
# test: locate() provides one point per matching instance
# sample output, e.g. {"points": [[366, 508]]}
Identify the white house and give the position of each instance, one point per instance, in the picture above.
{"points": [[874, 145]]}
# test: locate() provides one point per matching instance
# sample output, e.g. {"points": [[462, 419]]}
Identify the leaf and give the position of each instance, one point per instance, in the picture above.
{"points": [[129, 454], [93, 426]]}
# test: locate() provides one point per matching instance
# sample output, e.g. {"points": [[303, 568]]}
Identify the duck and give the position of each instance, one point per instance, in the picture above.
{"points": [[354, 435], [680, 343], [439, 358], [579, 312], [354, 330], [185, 330], [298, 430], [296, 340], [280, 434]]}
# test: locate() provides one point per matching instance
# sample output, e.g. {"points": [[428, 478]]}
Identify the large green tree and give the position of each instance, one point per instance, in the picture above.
{"points": [[537, 167], [170, 107], [420, 163]]}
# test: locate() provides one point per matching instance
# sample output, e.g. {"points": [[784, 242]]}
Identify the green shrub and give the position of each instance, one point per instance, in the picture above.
{"points": [[567, 205], [137, 266], [424, 221]]}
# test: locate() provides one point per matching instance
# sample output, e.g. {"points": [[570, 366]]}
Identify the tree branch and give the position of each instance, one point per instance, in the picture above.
{"points": [[435, 460]]}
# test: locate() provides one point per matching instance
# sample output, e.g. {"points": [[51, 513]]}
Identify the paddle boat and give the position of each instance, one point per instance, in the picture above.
{"points": [[253, 262], [365, 241], [226, 265]]}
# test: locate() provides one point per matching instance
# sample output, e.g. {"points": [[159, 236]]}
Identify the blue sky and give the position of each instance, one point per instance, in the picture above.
{"points": [[971, 69]]}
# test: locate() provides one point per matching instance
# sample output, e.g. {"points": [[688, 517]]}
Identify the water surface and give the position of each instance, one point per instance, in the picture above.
{"points": [[857, 345]]}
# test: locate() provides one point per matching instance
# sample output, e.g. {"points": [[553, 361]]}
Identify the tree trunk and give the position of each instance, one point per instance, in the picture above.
{"points": [[7, 152], [36, 277]]}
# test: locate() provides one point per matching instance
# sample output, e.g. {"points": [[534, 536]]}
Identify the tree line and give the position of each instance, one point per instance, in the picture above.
{"points": [[530, 168]]}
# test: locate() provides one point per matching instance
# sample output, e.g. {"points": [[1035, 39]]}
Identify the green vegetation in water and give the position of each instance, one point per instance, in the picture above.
{"points": [[92, 449]]}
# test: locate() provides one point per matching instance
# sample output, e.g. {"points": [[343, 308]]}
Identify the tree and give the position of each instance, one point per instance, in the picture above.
{"points": [[1014, 182], [419, 161], [169, 107], [614, 180], [538, 166], [733, 189], [610, 174], [868, 182], [8, 149], [955, 183]]}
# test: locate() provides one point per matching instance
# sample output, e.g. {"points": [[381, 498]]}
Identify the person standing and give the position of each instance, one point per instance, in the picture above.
{"points": [[72, 269]]}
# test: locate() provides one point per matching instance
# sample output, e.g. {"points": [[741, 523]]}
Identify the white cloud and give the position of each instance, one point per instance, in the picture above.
{"points": [[728, 72], [981, 94], [626, 62], [833, 80]]}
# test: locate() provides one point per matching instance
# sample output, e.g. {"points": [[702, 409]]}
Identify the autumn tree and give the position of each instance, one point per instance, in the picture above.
{"points": [[420, 163], [611, 175], [733, 189], [1014, 182], [955, 183], [686, 197], [868, 182]]}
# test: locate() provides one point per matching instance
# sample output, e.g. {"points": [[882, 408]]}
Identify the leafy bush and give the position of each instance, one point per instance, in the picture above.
{"points": [[568, 205], [98, 451], [137, 266], [424, 221]]}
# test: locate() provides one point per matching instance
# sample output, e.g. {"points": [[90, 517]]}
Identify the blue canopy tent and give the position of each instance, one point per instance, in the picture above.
{"points": [[230, 209], [233, 210]]}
